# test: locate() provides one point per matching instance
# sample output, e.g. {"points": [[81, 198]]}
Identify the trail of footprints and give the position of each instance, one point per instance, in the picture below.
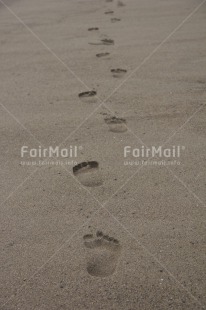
{"points": [[88, 172], [103, 250], [103, 254]]}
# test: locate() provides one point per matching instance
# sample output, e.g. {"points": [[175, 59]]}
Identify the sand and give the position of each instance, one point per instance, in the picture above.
{"points": [[109, 235]]}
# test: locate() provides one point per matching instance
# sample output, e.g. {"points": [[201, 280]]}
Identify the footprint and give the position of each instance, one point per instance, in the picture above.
{"points": [[116, 124], [102, 54], [88, 173], [103, 255], [93, 28], [109, 12], [107, 41], [120, 3], [115, 19], [103, 42], [88, 96], [118, 73]]}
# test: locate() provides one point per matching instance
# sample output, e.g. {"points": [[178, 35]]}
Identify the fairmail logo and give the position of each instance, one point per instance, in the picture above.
{"points": [[153, 152], [50, 152]]}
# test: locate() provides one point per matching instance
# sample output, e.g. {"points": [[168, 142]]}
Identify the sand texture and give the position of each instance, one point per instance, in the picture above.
{"points": [[100, 75]]}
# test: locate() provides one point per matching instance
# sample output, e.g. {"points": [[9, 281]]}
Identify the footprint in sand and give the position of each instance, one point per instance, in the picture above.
{"points": [[103, 256], [93, 29], [115, 19], [118, 73], [88, 96], [88, 173], [120, 3], [102, 55], [109, 12], [116, 124], [103, 42], [107, 41]]}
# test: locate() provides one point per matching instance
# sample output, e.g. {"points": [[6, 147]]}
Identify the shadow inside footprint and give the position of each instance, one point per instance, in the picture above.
{"points": [[109, 12], [103, 255], [93, 29], [102, 54], [107, 41], [88, 173], [88, 96], [116, 124], [118, 73]]}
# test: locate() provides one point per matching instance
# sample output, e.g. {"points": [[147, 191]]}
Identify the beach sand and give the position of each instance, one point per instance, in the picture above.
{"points": [[102, 234]]}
